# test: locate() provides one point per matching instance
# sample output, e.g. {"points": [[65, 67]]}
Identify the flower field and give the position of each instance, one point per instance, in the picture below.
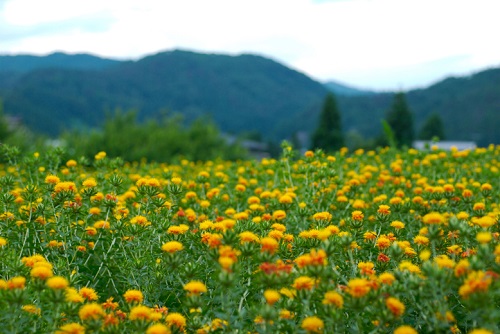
{"points": [[383, 241]]}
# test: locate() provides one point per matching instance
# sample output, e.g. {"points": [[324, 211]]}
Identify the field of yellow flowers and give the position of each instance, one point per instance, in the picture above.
{"points": [[383, 241]]}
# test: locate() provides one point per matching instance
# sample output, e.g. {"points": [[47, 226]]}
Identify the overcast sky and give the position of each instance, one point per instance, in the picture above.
{"points": [[375, 44]]}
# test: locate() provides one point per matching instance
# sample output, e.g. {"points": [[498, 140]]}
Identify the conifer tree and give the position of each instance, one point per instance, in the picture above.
{"points": [[400, 120], [433, 127], [328, 135]]}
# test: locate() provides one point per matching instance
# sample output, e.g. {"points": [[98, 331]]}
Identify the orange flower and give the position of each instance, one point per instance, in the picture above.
{"points": [[358, 287], [395, 306], [303, 283], [357, 215], [269, 245]]}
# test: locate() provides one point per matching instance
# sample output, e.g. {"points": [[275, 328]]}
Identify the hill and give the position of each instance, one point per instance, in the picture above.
{"points": [[341, 89], [241, 93], [26, 63]]}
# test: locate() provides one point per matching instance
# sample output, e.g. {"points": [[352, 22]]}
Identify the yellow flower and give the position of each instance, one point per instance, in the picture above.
{"points": [[52, 179], [89, 183], [386, 278], [271, 296], [172, 247], [286, 199], [443, 261], [408, 266], [395, 306], [357, 215], [71, 328], [358, 287], [65, 186], [383, 242], [95, 211], [405, 330], [88, 293], [384, 209], [3, 242], [32, 309], [279, 215], [433, 218], [73, 296], [195, 287], [17, 282], [421, 240], [41, 272], [133, 296], [176, 230], [269, 245], [176, 319], [476, 281], [303, 283], [158, 329], [483, 237], [57, 283], [140, 312], [92, 311], [480, 331], [247, 236], [101, 155], [366, 268], [397, 224], [333, 298], [313, 324], [327, 216], [485, 221]]}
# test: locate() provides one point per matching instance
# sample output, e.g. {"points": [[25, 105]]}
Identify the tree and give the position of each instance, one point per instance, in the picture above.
{"points": [[4, 125], [328, 135], [433, 127], [400, 120]]}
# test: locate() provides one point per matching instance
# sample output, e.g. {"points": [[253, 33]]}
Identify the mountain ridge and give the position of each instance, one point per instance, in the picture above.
{"points": [[243, 92]]}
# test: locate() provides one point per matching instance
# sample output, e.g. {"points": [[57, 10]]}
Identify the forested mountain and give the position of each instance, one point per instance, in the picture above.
{"points": [[26, 63], [340, 89], [240, 93]]}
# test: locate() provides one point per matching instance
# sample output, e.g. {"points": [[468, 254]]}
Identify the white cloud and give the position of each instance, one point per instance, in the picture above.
{"points": [[368, 43]]}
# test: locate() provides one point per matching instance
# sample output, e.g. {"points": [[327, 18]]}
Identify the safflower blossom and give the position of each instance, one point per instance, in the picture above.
{"points": [[313, 324]]}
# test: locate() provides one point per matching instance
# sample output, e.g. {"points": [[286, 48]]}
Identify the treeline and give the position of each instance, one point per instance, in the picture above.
{"points": [[397, 128], [157, 140], [166, 138]]}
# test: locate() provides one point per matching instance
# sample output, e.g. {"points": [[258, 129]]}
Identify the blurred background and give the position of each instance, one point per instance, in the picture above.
{"points": [[232, 79]]}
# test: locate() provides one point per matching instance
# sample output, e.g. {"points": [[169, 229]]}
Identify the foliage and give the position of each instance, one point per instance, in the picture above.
{"points": [[328, 135], [388, 134], [385, 241], [158, 140], [400, 120], [432, 128]]}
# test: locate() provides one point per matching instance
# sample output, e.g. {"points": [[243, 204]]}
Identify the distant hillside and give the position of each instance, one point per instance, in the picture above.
{"points": [[469, 107], [13, 67], [26, 63], [341, 89], [241, 93]]}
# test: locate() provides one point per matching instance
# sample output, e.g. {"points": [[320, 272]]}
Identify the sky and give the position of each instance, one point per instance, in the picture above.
{"points": [[371, 44]]}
